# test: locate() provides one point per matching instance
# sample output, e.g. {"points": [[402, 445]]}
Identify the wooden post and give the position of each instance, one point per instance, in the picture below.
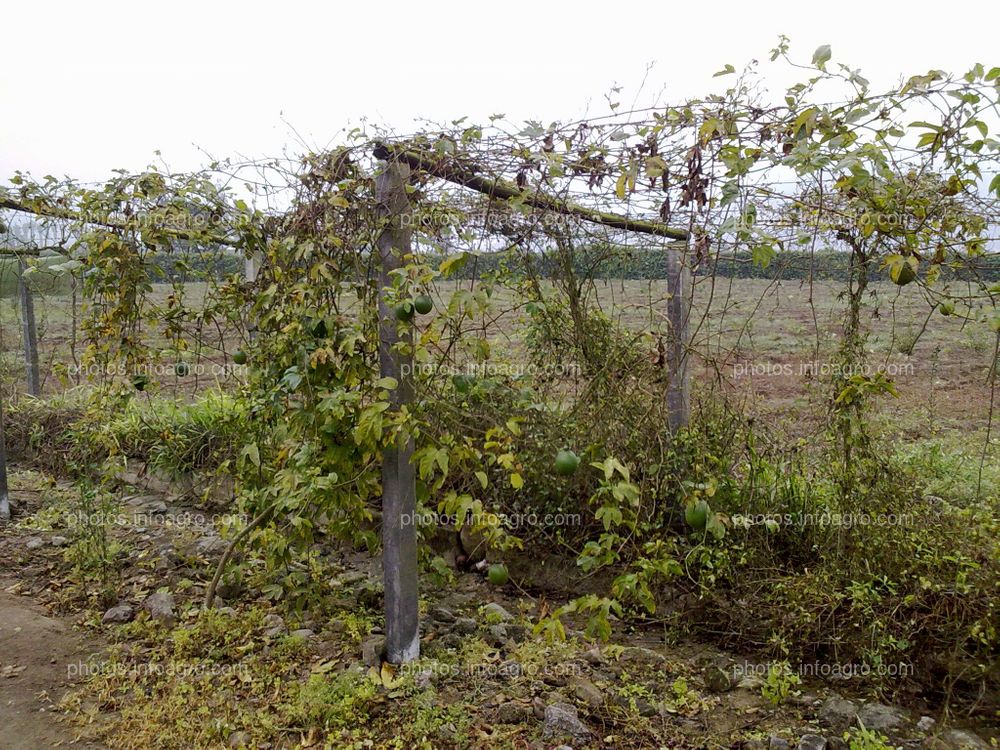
{"points": [[30, 331], [678, 313], [251, 268], [4, 498], [399, 531]]}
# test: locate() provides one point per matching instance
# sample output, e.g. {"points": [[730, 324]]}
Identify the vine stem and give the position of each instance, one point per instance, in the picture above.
{"points": [[237, 540]]}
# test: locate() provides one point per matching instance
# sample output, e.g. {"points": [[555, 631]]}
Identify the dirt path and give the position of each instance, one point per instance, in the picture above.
{"points": [[36, 652]]}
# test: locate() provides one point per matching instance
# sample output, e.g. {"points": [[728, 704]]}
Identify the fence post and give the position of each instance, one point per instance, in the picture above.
{"points": [[399, 532], [678, 313], [4, 499], [251, 267], [30, 331]]}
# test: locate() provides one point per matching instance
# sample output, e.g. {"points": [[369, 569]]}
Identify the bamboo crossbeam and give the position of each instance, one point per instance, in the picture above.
{"points": [[502, 189], [70, 215]]}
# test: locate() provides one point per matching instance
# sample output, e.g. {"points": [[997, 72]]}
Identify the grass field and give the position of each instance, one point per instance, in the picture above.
{"points": [[771, 342]]}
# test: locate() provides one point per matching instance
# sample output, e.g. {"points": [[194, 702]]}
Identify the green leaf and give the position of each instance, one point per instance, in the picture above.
{"points": [[252, 453], [715, 527], [609, 515], [927, 139], [620, 185], [822, 55], [762, 255], [655, 166], [725, 71], [454, 263]]}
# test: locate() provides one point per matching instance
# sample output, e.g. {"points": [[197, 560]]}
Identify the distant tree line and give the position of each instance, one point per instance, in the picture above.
{"points": [[651, 263], [193, 265], [648, 263]]}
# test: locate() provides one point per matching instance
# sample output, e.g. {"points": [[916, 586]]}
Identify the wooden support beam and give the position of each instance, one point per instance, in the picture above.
{"points": [[399, 531], [251, 267], [452, 171], [678, 315], [134, 222], [4, 493], [30, 331]]}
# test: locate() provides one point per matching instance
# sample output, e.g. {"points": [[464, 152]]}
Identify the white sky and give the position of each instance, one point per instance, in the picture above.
{"points": [[86, 87]]}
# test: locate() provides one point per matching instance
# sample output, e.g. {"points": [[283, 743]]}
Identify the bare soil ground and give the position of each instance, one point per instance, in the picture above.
{"points": [[37, 657], [615, 692]]}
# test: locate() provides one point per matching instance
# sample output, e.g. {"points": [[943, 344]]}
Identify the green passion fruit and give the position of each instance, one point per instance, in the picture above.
{"points": [[181, 368], [498, 574], [696, 514], [404, 311], [903, 272], [423, 304], [566, 463], [240, 357]]}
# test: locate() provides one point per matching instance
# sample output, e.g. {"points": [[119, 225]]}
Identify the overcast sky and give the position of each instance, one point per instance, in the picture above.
{"points": [[89, 87]]}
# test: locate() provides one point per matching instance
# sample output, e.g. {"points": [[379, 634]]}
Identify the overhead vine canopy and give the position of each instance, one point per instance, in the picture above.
{"points": [[740, 167], [910, 173], [905, 179]]}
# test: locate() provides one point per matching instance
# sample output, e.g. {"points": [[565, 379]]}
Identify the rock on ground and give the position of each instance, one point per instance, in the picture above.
{"points": [[274, 626], [642, 656], [811, 742], [118, 615], [494, 611], [160, 606], [717, 679], [372, 649], [881, 718], [588, 692], [561, 719], [956, 739], [838, 714]]}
